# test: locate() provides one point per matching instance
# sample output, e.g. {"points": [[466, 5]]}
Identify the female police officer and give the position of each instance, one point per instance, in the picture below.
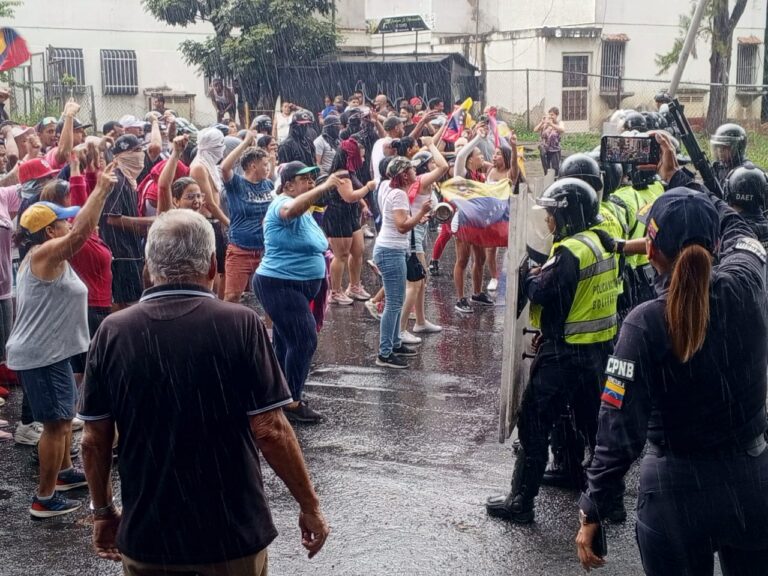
{"points": [[689, 375]]}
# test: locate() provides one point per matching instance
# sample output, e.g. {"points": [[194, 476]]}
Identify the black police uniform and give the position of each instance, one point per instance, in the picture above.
{"points": [[704, 479]]}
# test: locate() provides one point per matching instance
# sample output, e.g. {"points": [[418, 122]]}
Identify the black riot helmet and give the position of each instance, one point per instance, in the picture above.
{"points": [[613, 174], [635, 121], [584, 168], [729, 145], [262, 124], [652, 120], [573, 204], [747, 188]]}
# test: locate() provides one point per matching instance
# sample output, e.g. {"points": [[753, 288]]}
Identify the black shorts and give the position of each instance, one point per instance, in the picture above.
{"points": [[221, 244], [341, 223], [126, 281]]}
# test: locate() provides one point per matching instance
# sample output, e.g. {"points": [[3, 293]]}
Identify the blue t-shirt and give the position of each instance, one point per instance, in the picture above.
{"points": [[294, 249], [248, 203]]}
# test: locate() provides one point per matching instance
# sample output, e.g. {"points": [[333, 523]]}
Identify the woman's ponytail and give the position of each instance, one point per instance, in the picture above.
{"points": [[687, 308]]}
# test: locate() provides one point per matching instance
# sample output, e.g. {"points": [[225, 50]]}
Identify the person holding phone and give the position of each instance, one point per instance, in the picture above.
{"points": [[688, 377]]}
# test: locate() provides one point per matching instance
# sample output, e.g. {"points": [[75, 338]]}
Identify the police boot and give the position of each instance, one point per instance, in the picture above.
{"points": [[565, 470], [517, 506]]}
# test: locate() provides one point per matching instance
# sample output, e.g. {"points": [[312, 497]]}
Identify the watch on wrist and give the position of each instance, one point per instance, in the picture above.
{"points": [[620, 244], [107, 511]]}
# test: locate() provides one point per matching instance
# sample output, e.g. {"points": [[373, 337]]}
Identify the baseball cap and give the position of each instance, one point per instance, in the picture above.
{"points": [[683, 216], [290, 170], [414, 101], [398, 165], [130, 121], [302, 117], [42, 214], [47, 121], [35, 169], [331, 120], [126, 143], [76, 125], [392, 122], [17, 131]]}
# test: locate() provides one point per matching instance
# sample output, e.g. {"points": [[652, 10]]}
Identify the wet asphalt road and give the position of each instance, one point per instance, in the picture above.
{"points": [[402, 466]]}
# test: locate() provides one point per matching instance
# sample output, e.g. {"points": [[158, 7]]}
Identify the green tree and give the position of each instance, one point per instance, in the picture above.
{"points": [[7, 7], [253, 38], [717, 27]]}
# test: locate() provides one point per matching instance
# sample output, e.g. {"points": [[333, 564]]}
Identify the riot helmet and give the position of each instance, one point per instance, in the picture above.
{"points": [[653, 120], [729, 145], [422, 159], [584, 168], [747, 188], [573, 204], [635, 121]]}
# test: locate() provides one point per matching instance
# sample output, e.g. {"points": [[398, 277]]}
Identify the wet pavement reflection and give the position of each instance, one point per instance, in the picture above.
{"points": [[402, 465]]}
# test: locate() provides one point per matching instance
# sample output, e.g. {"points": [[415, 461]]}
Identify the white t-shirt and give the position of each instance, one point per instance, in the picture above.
{"points": [[283, 126], [391, 199], [377, 155]]}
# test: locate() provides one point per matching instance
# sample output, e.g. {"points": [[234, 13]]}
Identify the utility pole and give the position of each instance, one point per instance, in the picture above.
{"points": [[690, 40]]}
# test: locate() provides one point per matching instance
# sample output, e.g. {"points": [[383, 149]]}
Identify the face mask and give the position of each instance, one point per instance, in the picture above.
{"points": [[131, 163], [332, 131]]}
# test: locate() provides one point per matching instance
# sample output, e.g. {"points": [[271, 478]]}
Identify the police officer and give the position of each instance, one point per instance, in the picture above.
{"points": [[573, 302], [729, 149], [689, 376], [746, 191]]}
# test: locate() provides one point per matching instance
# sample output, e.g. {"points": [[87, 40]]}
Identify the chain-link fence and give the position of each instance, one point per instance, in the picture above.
{"points": [[586, 101]]}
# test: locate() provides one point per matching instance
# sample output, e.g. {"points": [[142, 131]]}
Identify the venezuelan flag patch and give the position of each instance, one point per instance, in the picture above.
{"points": [[613, 393]]}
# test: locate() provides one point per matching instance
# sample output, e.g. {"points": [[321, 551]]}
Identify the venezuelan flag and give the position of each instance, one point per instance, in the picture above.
{"points": [[13, 49], [458, 120], [482, 211], [613, 393]]}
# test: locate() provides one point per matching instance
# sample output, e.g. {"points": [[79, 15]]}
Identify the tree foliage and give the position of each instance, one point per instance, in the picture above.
{"points": [[253, 38], [7, 7], [717, 28]]}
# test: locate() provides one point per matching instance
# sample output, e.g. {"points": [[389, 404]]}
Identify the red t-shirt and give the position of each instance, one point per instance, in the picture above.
{"points": [[93, 262]]}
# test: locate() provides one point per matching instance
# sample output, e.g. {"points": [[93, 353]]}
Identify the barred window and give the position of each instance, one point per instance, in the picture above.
{"points": [[612, 66], [746, 64], [119, 74], [65, 64]]}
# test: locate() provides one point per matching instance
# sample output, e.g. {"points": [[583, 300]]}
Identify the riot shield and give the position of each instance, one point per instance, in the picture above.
{"points": [[528, 236]]}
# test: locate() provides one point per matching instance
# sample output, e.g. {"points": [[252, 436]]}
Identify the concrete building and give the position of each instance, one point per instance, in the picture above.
{"points": [[533, 55], [114, 48]]}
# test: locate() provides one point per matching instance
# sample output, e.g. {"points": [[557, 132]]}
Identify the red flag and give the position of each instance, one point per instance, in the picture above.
{"points": [[493, 125], [13, 49]]}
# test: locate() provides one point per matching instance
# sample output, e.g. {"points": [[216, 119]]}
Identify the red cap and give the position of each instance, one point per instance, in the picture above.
{"points": [[35, 169], [415, 100]]}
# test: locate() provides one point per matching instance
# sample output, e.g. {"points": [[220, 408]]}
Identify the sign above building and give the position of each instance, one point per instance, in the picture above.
{"points": [[412, 23], [547, 32]]}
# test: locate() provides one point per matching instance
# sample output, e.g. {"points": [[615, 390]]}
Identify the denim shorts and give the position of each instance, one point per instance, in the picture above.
{"points": [[420, 232], [51, 391]]}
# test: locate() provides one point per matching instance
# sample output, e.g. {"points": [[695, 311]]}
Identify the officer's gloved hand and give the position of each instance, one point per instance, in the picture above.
{"points": [[609, 243]]}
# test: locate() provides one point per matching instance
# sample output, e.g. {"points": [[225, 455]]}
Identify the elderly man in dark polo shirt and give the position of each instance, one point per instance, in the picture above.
{"points": [[195, 390]]}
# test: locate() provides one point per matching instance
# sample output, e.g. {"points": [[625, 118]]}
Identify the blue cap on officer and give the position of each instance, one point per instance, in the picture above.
{"points": [[682, 216]]}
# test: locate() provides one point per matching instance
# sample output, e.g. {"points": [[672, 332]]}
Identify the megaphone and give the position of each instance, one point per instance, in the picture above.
{"points": [[443, 212]]}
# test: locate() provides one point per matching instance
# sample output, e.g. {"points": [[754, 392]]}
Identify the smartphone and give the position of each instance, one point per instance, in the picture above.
{"points": [[600, 543], [629, 150]]}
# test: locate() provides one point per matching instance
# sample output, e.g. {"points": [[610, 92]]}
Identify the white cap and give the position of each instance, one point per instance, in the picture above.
{"points": [[129, 121], [22, 131]]}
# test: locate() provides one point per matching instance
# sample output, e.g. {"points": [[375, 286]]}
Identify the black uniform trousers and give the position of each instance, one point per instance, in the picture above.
{"points": [[561, 375], [688, 509]]}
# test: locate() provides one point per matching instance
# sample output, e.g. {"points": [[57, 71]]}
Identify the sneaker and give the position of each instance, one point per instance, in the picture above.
{"points": [[426, 328], [2, 402], [77, 424], [391, 361], [463, 306], [5, 436], [408, 338], [70, 479], [482, 299], [303, 414], [28, 434], [4, 392], [434, 268], [368, 233], [404, 351], [341, 299], [373, 309], [57, 505], [357, 292], [493, 285]]}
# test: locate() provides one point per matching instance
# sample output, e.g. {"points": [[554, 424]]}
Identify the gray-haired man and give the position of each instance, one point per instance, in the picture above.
{"points": [[195, 390]]}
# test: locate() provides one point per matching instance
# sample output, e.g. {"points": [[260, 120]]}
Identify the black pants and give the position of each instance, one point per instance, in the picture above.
{"points": [[687, 510], [561, 374], [294, 330]]}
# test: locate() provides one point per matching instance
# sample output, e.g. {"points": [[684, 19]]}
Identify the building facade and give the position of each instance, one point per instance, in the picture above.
{"points": [[110, 55]]}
